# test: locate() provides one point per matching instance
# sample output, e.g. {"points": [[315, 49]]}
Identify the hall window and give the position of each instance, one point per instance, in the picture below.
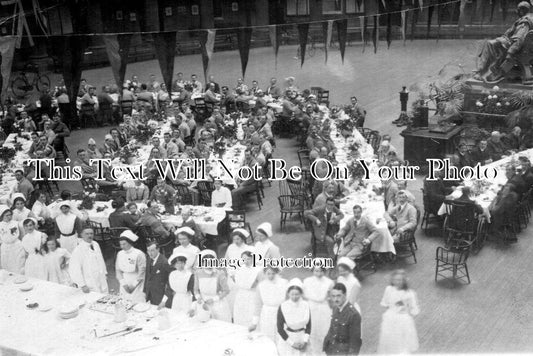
{"points": [[355, 6], [217, 8], [332, 6], [297, 7]]}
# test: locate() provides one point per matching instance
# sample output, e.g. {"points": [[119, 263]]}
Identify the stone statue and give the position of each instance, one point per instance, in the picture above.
{"points": [[498, 56]]}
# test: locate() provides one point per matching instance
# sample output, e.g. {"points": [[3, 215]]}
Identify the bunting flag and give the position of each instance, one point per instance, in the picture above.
{"points": [[363, 23], [244, 40], [480, 9], [40, 17], [22, 24], [274, 33], [303, 33], [503, 6], [165, 51], [440, 10], [7, 51], [492, 8], [342, 34], [327, 31], [421, 4], [430, 16], [207, 44], [118, 49], [389, 29], [414, 20], [375, 34], [404, 25], [462, 15], [69, 51]]}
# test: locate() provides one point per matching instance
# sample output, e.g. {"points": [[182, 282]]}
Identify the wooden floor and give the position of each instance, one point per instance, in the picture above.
{"points": [[494, 314]]}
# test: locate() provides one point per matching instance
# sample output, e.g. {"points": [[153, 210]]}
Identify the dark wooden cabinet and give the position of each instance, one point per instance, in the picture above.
{"points": [[420, 144]]}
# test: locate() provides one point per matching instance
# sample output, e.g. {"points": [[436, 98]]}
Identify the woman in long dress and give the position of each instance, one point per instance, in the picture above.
{"points": [[33, 242], [20, 212], [12, 254], [294, 322], [246, 279], [345, 268], [180, 284], [56, 261], [271, 293], [316, 292], [398, 331], [234, 252], [211, 287]]}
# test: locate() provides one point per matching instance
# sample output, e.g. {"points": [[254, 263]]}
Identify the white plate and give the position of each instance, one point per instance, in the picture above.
{"points": [[141, 307], [26, 287], [20, 280], [44, 308]]}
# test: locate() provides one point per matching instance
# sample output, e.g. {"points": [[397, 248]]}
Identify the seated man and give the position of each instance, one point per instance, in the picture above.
{"points": [[358, 233], [325, 219], [502, 210], [221, 196], [436, 193], [119, 217], [465, 158], [496, 147], [481, 154], [401, 216], [465, 198], [497, 55], [513, 140]]}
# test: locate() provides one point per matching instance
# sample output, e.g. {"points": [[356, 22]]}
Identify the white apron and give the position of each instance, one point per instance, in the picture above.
{"points": [[245, 297], [52, 263], [208, 290], [12, 254], [35, 261], [316, 292], [127, 264], [296, 318], [272, 294], [67, 228], [178, 281]]}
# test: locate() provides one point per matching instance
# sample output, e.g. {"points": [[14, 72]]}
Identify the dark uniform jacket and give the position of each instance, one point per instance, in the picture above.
{"points": [[156, 279], [344, 335]]}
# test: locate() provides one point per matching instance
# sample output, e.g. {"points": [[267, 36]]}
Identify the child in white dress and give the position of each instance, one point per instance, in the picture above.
{"points": [[56, 262]]}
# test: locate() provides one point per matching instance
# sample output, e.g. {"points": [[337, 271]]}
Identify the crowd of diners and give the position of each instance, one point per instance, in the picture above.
{"points": [[50, 239], [519, 174]]}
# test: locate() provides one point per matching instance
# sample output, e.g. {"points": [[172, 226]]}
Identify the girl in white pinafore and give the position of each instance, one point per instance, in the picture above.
{"points": [[67, 227], [234, 252], [181, 283], [316, 292], [246, 279], [33, 242], [20, 212], [12, 254], [56, 260], [211, 287], [271, 293], [398, 331], [294, 322]]}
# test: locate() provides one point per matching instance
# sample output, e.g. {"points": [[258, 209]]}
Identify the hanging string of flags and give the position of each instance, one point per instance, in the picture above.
{"points": [[117, 44]]}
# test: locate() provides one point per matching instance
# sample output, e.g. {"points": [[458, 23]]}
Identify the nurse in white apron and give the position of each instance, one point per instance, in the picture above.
{"points": [[12, 254], [185, 235], [271, 293], [246, 279], [20, 212], [180, 284], [211, 287], [130, 268], [67, 226], [294, 322], [316, 292], [33, 242], [345, 267]]}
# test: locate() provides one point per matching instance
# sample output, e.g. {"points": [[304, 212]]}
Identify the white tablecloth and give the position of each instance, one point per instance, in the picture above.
{"points": [[7, 187], [44, 333]]}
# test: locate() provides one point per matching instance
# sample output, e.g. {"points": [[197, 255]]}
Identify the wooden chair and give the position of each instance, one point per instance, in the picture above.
{"points": [[87, 113], [365, 260], [374, 140], [405, 246], [298, 187], [206, 188], [453, 261], [237, 219], [115, 237], [303, 157], [461, 225], [126, 107], [428, 212], [183, 194], [257, 194], [289, 205]]}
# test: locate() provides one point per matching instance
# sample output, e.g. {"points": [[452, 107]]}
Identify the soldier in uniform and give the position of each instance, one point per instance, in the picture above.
{"points": [[344, 335]]}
